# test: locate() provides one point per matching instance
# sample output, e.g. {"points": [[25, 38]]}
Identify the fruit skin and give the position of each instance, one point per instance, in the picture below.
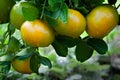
{"points": [[5, 7], [75, 25], [16, 15], [37, 33], [22, 66], [101, 20]]}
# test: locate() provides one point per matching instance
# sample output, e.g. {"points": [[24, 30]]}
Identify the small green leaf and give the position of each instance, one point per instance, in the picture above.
{"points": [[59, 9], [51, 21], [6, 57], [55, 4], [24, 56], [13, 45], [66, 41], [11, 29], [44, 61], [83, 51], [34, 65], [60, 49], [25, 53], [98, 44], [30, 13], [64, 13]]}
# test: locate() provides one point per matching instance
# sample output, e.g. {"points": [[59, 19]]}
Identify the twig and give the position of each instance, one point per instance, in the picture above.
{"points": [[118, 6], [43, 8], [70, 3]]}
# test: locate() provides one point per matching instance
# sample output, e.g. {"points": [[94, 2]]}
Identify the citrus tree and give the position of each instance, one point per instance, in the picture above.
{"points": [[58, 23]]}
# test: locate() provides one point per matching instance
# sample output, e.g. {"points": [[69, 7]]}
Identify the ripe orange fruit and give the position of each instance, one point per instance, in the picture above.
{"points": [[37, 33], [75, 25], [22, 66], [101, 20], [5, 7]]}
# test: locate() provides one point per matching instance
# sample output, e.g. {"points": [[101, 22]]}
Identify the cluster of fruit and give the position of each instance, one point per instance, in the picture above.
{"points": [[38, 33]]}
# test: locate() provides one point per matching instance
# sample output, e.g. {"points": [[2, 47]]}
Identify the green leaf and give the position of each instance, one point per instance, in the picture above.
{"points": [[83, 51], [13, 45], [30, 13], [53, 9], [60, 49], [98, 44], [66, 41], [55, 4], [59, 9], [4, 67], [11, 29], [25, 53], [6, 57], [51, 21], [64, 13], [44, 61], [24, 56], [34, 65]]}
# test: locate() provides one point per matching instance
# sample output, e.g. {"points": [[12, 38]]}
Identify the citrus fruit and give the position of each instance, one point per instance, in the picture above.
{"points": [[75, 25], [101, 20], [37, 33], [22, 66]]}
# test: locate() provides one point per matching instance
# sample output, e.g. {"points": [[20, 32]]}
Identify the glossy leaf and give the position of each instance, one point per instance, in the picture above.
{"points": [[83, 51], [11, 29], [66, 41], [59, 9], [55, 4], [4, 67], [44, 61], [6, 57], [13, 45], [34, 64], [64, 13], [30, 13], [60, 49], [25, 53], [51, 21], [98, 44], [23, 57]]}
